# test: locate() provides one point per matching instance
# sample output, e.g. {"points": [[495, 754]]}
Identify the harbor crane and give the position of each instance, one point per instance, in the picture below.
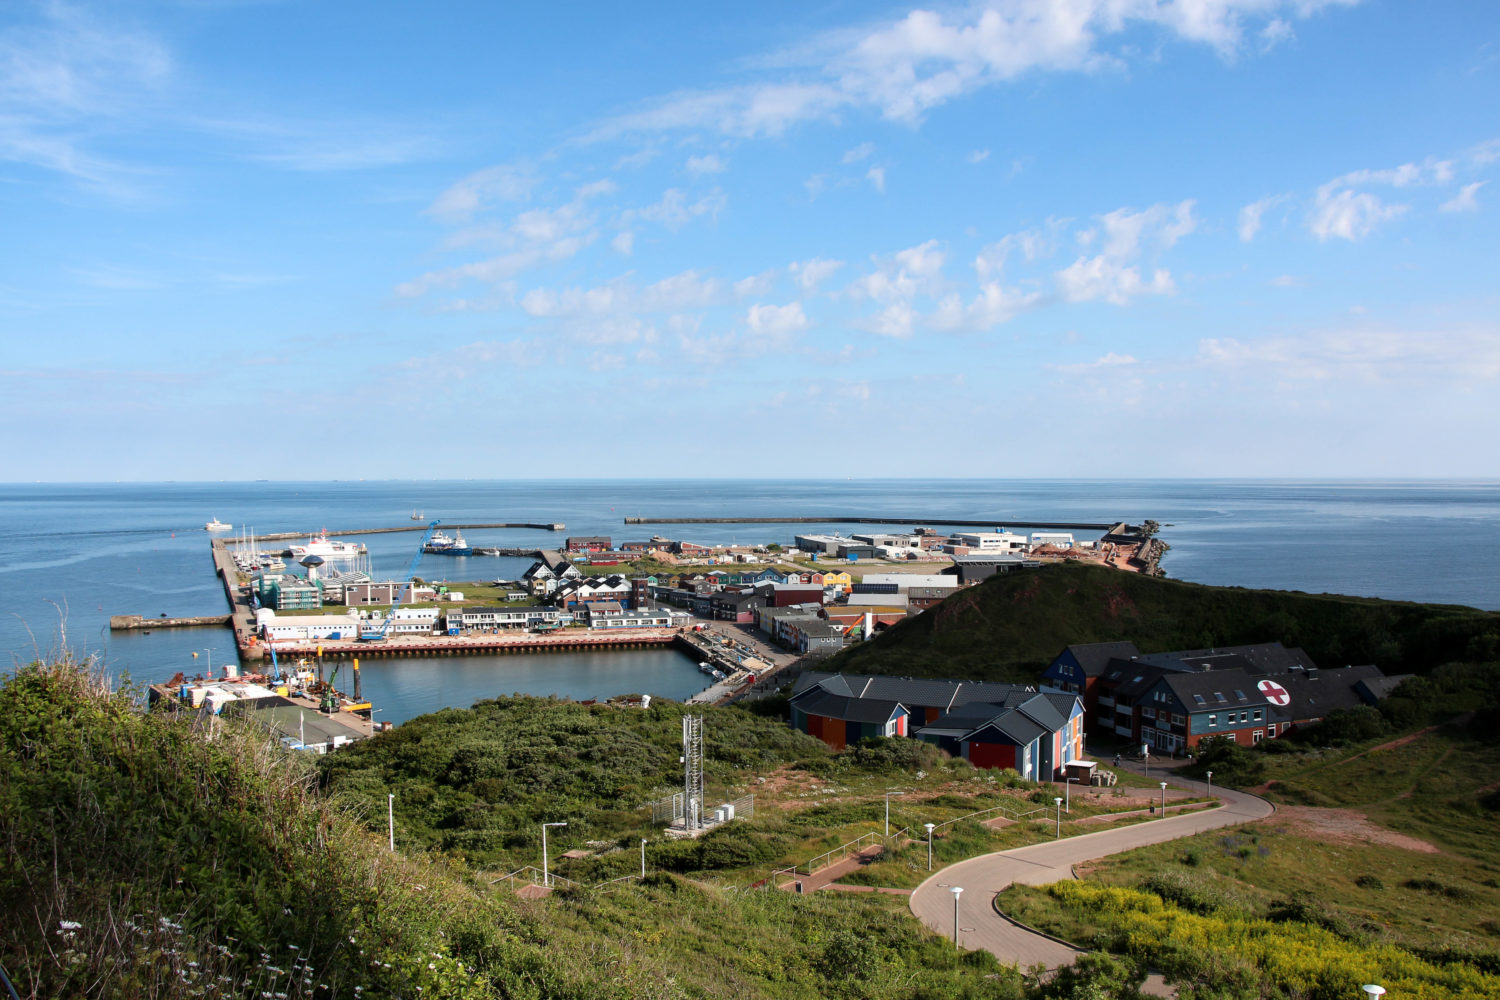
{"points": [[378, 634]]}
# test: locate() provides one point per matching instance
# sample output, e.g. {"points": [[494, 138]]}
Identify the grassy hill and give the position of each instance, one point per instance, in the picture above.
{"points": [[1011, 626], [146, 856]]}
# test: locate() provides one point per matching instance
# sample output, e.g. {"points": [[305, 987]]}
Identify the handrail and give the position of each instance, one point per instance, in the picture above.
{"points": [[1014, 814]]}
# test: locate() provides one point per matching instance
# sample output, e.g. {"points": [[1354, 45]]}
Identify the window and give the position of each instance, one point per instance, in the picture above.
{"points": [[1259, 735], [1199, 699], [1240, 694], [1220, 695], [1213, 720], [1257, 715]]}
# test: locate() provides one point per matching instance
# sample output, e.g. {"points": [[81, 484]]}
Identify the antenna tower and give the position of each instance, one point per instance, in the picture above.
{"points": [[692, 771]]}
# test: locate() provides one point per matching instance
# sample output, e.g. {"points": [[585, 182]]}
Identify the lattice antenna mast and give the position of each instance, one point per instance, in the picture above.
{"points": [[692, 771]]}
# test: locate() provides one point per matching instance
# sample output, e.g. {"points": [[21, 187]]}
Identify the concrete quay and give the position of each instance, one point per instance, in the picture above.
{"points": [[127, 623], [953, 522], [286, 536]]}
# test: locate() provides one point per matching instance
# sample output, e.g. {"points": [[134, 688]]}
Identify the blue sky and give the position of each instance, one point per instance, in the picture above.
{"points": [[1082, 238]]}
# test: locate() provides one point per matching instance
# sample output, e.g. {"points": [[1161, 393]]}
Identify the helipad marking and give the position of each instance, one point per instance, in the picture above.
{"points": [[1275, 693]]}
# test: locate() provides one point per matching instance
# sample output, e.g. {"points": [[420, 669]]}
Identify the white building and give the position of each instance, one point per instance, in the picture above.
{"points": [[404, 621], [905, 581], [991, 541], [306, 628], [1060, 539]]}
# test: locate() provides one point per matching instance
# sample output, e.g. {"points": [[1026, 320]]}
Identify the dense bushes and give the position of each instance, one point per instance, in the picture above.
{"points": [[479, 782]]}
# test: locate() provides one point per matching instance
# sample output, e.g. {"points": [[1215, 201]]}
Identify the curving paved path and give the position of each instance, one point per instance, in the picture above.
{"points": [[1040, 864]]}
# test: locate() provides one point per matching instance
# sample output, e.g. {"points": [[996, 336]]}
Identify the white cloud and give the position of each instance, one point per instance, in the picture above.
{"points": [[481, 189], [755, 285], [1441, 356], [903, 69], [66, 79], [876, 177], [1349, 215], [809, 273], [707, 164], [896, 320], [1465, 200], [994, 304], [675, 211], [776, 321], [1341, 210], [858, 153], [1032, 243], [1251, 214], [1112, 275], [1106, 362], [624, 242], [978, 156], [686, 290], [1102, 277]]}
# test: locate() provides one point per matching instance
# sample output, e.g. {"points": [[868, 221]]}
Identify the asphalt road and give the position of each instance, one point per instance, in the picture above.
{"points": [[981, 878]]}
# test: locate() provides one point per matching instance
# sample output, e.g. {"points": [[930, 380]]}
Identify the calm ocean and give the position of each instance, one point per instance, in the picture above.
{"points": [[81, 552]]}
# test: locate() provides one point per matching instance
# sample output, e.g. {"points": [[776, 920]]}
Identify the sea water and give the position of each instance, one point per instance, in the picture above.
{"points": [[73, 554]]}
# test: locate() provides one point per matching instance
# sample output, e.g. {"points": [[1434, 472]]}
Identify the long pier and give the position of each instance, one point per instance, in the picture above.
{"points": [[954, 522], [469, 645], [126, 623], [283, 536]]}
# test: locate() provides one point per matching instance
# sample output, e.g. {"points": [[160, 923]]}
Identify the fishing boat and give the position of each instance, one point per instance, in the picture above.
{"points": [[443, 545], [217, 525]]}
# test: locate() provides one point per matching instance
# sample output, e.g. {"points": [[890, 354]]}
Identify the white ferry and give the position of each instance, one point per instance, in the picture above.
{"points": [[217, 525], [321, 545]]}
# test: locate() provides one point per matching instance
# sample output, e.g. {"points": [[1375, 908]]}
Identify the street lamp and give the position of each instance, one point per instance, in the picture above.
{"points": [[888, 793], [1067, 792], [1373, 992], [546, 878], [958, 891], [1058, 800], [1164, 800], [390, 817], [643, 857], [930, 827], [1146, 758], [1210, 789]]}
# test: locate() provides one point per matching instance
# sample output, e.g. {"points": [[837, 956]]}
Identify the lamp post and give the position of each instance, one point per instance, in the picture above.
{"points": [[1373, 992], [1163, 800], [888, 793], [390, 818], [643, 857], [957, 891], [1146, 758], [1067, 793], [930, 827], [546, 876], [1058, 800], [1210, 787]]}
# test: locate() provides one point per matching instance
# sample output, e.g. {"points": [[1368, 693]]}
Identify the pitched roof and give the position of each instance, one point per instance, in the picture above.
{"points": [[834, 706], [1094, 656]]}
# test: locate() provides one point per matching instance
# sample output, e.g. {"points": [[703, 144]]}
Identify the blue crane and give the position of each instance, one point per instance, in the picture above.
{"points": [[378, 634]]}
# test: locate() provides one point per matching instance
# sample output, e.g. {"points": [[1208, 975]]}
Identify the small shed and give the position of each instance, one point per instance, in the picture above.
{"points": [[1081, 771]]}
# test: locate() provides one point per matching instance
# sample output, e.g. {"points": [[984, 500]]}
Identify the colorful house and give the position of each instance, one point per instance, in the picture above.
{"points": [[991, 725]]}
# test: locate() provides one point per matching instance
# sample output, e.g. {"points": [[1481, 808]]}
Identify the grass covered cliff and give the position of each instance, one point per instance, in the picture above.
{"points": [[1011, 626]]}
